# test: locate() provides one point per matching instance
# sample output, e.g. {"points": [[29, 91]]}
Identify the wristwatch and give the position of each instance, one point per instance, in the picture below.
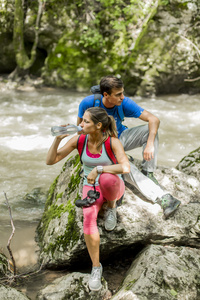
{"points": [[99, 169]]}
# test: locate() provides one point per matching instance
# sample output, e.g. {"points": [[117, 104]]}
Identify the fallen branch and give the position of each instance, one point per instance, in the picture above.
{"points": [[20, 276], [11, 236], [194, 79]]}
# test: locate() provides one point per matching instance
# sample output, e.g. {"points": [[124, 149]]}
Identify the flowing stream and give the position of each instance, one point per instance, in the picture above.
{"points": [[26, 119]]}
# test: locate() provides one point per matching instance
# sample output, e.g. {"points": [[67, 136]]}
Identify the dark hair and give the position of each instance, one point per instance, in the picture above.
{"points": [[99, 114], [110, 82]]}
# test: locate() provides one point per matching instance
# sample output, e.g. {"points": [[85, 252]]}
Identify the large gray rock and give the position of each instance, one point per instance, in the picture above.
{"points": [[163, 273], [73, 287], [8, 293], [60, 231], [190, 164]]}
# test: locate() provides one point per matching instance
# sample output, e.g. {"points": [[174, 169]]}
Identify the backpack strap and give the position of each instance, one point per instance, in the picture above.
{"points": [[109, 150], [97, 100], [81, 144], [97, 95], [108, 146], [120, 112]]}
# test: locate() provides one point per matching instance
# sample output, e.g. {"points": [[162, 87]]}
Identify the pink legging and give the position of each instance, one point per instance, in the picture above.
{"points": [[111, 188]]}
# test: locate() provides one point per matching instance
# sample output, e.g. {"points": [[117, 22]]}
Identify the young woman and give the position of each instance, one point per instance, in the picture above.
{"points": [[99, 171]]}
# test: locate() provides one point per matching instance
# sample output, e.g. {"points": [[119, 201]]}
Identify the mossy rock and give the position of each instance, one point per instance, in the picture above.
{"points": [[190, 164], [58, 231]]}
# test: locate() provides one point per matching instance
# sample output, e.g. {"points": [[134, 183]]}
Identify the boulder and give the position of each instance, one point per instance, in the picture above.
{"points": [[73, 286], [60, 231], [162, 272], [8, 293], [190, 164]]}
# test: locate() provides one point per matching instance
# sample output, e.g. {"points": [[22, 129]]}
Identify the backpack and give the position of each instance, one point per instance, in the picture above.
{"points": [[97, 101], [81, 144]]}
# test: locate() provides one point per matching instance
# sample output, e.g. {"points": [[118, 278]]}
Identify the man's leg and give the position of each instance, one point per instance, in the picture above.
{"points": [[136, 137], [145, 185]]}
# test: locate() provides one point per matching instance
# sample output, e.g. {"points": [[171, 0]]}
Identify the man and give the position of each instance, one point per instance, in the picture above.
{"points": [[146, 136]]}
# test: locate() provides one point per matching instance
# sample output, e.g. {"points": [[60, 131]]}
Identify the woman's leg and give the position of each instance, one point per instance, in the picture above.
{"points": [[92, 238], [91, 233], [93, 242], [112, 188]]}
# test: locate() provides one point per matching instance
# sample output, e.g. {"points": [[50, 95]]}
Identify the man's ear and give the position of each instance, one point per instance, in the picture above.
{"points": [[105, 94]]}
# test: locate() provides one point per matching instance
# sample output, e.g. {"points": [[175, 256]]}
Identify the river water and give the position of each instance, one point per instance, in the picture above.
{"points": [[26, 119]]}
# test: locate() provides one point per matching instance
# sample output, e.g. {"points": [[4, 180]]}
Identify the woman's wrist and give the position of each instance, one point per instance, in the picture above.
{"points": [[99, 169]]}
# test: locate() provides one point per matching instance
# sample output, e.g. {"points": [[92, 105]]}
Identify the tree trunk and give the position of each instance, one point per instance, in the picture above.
{"points": [[23, 61]]}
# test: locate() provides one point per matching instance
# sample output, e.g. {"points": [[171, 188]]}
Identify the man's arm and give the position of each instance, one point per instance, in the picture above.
{"points": [[154, 123]]}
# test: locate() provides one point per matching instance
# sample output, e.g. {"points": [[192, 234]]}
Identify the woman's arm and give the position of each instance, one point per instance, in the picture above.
{"points": [[54, 155]]}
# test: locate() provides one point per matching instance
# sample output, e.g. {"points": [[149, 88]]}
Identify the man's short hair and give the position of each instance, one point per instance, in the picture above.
{"points": [[110, 82]]}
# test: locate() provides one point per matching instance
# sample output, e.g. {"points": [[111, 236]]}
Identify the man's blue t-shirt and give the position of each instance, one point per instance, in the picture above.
{"points": [[130, 109]]}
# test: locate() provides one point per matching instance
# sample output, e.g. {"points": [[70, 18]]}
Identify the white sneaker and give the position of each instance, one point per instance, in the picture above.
{"points": [[111, 219], [95, 278]]}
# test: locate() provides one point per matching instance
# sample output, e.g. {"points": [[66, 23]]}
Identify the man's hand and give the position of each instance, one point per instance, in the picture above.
{"points": [[148, 153], [92, 176]]}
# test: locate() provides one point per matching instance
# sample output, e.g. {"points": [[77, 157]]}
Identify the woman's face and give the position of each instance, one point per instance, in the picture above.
{"points": [[87, 124]]}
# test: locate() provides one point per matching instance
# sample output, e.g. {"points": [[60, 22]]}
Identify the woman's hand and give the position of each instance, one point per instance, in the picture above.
{"points": [[62, 136], [92, 176]]}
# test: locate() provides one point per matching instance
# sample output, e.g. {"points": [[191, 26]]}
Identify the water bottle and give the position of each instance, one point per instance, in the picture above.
{"points": [[69, 129]]}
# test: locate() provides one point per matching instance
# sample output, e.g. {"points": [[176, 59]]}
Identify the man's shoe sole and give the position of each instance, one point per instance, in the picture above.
{"points": [[95, 289]]}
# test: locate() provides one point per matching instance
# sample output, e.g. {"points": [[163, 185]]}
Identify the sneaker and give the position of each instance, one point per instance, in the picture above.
{"points": [[95, 278], [111, 219], [169, 204], [150, 176]]}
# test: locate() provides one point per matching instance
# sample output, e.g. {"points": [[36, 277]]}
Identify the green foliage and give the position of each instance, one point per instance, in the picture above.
{"points": [[98, 41], [164, 2]]}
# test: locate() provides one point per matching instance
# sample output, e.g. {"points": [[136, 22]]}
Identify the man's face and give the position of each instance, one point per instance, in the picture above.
{"points": [[115, 98]]}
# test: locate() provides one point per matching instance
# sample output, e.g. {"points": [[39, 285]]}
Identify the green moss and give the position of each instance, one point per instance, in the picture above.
{"points": [[51, 193], [71, 234], [130, 284], [173, 292], [75, 178], [46, 217], [189, 161], [59, 196], [53, 211]]}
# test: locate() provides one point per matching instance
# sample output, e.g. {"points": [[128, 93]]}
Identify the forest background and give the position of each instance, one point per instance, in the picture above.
{"points": [[153, 45]]}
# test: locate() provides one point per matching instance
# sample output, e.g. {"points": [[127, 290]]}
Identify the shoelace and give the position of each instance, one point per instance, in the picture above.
{"points": [[96, 273], [110, 215]]}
